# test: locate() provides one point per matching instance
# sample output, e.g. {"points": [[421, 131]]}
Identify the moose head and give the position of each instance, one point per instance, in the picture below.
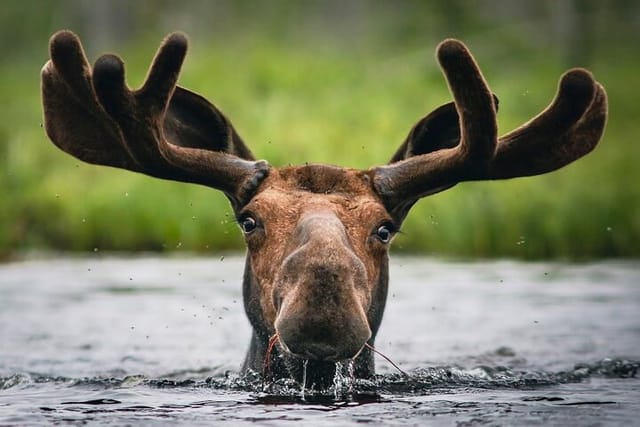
{"points": [[316, 275]]}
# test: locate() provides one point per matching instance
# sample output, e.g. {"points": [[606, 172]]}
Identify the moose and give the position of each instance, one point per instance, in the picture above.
{"points": [[317, 236]]}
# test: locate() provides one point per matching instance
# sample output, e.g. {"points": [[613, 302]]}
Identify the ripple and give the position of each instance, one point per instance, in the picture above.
{"points": [[419, 381]]}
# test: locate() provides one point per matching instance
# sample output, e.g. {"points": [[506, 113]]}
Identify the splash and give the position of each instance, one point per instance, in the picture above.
{"points": [[421, 381], [344, 378]]}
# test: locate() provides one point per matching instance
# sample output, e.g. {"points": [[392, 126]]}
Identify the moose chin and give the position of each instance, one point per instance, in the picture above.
{"points": [[318, 236]]}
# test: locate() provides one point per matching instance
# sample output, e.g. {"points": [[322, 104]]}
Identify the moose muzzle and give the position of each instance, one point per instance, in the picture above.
{"points": [[321, 296]]}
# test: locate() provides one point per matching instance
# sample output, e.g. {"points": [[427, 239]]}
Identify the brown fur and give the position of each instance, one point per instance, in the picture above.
{"points": [[316, 264], [316, 273]]}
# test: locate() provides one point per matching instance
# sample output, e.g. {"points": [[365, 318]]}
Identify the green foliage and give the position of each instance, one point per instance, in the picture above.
{"points": [[348, 104]]}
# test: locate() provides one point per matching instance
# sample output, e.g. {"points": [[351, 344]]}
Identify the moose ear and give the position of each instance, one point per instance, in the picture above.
{"points": [[437, 130], [192, 121]]}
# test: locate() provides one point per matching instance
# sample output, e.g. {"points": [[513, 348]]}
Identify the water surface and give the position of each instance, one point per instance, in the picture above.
{"points": [[159, 341]]}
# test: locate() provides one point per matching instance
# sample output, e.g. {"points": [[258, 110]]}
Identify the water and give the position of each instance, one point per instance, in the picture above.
{"points": [[159, 341]]}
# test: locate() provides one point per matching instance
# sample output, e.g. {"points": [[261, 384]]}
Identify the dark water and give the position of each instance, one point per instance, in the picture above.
{"points": [[158, 341]]}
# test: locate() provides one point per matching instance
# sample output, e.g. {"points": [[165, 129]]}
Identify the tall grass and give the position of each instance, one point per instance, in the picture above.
{"points": [[328, 105]]}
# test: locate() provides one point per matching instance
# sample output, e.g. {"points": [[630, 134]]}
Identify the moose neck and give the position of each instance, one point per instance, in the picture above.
{"points": [[283, 365]]}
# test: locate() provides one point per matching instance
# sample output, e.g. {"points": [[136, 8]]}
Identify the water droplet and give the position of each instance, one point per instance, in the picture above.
{"points": [[521, 241], [84, 220], [95, 249], [222, 258], [609, 229], [337, 380], [304, 377], [126, 194]]}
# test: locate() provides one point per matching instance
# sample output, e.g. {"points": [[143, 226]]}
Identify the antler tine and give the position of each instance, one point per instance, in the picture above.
{"points": [[98, 119], [570, 127], [474, 103], [405, 181]]}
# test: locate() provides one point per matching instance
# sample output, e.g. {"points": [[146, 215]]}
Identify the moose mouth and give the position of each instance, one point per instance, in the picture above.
{"points": [[316, 351]]}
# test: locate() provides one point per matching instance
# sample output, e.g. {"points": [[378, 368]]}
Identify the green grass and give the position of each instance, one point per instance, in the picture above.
{"points": [[330, 105]]}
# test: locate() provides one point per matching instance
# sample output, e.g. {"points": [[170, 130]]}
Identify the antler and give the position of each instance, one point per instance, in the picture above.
{"points": [[160, 129], [566, 130]]}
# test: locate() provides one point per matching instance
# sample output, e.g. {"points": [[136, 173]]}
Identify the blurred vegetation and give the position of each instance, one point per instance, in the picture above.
{"points": [[334, 82]]}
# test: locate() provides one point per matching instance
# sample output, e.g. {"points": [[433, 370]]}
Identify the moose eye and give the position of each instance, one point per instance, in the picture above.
{"points": [[384, 233], [248, 224]]}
